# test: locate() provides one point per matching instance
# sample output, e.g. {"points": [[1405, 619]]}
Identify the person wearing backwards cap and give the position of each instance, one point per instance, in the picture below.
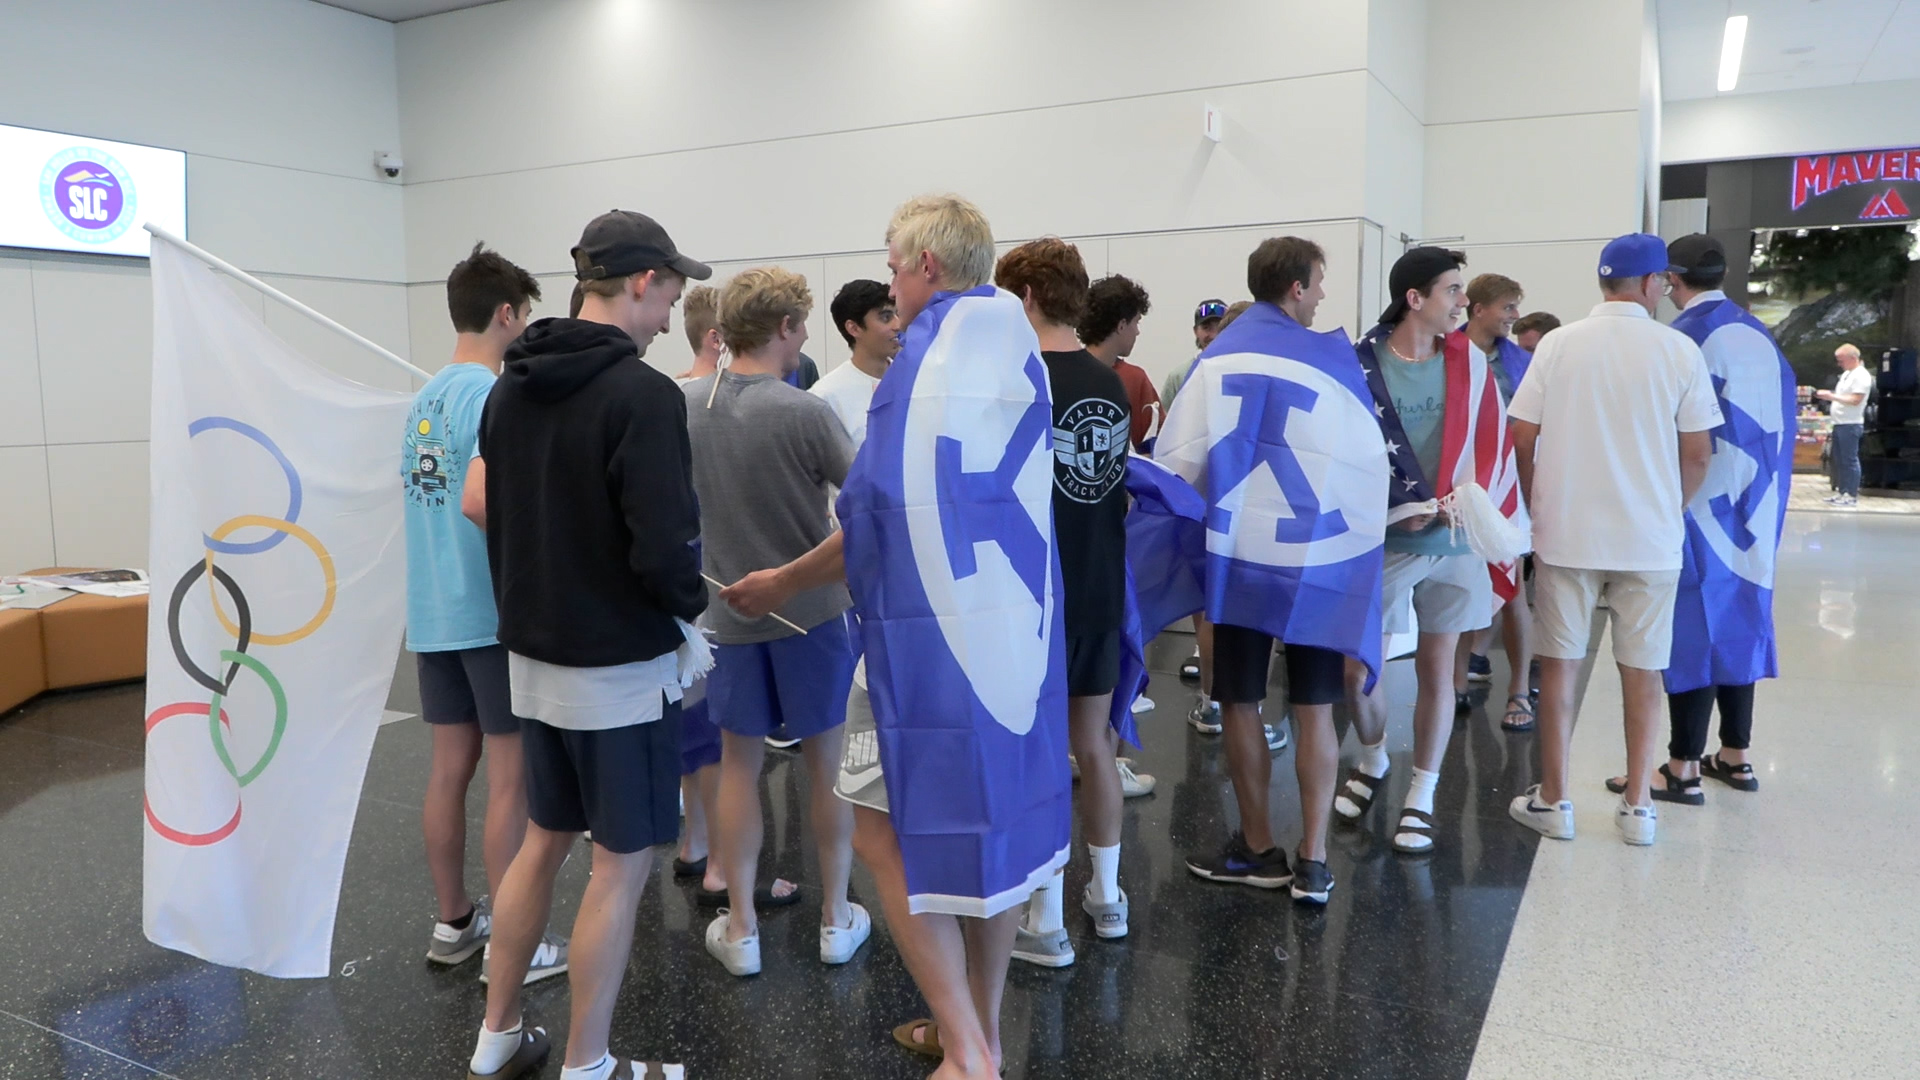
{"points": [[594, 571], [1596, 424]]}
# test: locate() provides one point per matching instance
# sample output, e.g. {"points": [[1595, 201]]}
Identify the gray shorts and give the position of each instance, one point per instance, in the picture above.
{"points": [[1452, 594], [468, 686], [861, 782]]}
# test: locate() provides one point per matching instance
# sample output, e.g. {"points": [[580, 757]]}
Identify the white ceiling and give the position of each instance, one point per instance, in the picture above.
{"points": [[1791, 44], [402, 10]]}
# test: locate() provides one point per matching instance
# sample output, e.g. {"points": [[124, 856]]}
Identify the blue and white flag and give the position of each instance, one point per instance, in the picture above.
{"points": [[1166, 545], [1277, 430], [948, 515], [1723, 611]]}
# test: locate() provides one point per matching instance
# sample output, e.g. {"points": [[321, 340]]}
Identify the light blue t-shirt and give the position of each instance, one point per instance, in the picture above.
{"points": [[449, 588], [1419, 392]]}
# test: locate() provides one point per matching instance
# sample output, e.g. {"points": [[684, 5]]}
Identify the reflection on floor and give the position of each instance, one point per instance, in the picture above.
{"points": [[1392, 980], [1768, 935], [1811, 493]]}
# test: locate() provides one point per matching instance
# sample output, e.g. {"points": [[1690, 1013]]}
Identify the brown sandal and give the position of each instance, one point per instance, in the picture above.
{"points": [[928, 1044]]}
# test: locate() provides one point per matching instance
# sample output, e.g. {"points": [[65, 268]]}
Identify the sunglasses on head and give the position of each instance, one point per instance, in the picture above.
{"points": [[1212, 309]]}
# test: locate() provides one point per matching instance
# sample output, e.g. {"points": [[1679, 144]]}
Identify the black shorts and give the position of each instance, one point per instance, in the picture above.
{"points": [[467, 686], [622, 783], [1240, 659], [1093, 664]]}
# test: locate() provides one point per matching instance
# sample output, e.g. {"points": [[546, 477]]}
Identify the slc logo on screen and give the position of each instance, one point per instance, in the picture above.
{"points": [[87, 194]]}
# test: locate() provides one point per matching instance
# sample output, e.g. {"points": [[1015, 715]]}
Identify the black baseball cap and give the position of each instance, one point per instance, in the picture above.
{"points": [[1697, 253], [619, 243], [1209, 311], [1416, 270]]}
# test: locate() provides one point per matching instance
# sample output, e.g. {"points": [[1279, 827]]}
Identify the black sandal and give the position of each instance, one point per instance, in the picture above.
{"points": [[1675, 790], [1420, 825], [683, 868], [1462, 702], [1364, 802], [1518, 705], [763, 897], [1738, 777]]}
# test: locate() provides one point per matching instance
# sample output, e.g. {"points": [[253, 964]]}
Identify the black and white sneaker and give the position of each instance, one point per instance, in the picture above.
{"points": [[1312, 881], [1240, 865], [1479, 668]]}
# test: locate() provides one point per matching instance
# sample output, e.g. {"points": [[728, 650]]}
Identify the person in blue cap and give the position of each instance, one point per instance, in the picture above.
{"points": [[1613, 428]]}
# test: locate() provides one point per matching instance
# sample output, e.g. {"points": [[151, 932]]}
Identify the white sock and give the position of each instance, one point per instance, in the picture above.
{"points": [[1420, 794], [1106, 873], [490, 1054], [1373, 758], [599, 1070], [1044, 914]]}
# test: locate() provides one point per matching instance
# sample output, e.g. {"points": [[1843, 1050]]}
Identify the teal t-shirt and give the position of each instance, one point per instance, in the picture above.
{"points": [[1419, 392], [449, 588]]}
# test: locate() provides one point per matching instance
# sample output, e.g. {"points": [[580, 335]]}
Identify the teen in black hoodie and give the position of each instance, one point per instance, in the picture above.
{"points": [[590, 519]]}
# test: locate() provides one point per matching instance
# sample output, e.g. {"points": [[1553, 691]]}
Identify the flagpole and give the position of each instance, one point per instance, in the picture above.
{"points": [[226, 267]]}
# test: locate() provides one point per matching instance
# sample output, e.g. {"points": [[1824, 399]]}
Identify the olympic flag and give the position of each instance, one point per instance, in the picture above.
{"points": [[279, 578]]}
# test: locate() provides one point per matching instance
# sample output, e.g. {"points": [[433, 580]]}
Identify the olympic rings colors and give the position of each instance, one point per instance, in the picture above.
{"points": [[242, 629], [255, 547]]}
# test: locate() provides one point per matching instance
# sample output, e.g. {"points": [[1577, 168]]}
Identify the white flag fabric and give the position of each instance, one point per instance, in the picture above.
{"points": [[279, 597]]}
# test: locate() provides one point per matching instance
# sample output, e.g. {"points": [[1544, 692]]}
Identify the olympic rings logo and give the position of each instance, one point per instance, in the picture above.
{"points": [[240, 625]]}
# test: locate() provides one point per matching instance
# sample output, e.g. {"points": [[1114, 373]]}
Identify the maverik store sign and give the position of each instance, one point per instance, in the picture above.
{"points": [[1840, 189]]}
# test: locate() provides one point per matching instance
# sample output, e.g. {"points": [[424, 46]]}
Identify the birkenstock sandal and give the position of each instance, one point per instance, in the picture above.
{"points": [[1413, 823], [1351, 789], [1674, 790], [929, 1041]]}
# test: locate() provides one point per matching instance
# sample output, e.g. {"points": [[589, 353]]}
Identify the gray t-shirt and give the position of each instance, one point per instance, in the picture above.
{"points": [[764, 456]]}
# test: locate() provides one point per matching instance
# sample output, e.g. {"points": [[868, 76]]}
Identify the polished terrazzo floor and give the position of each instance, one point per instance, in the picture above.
{"points": [[1792, 911]]}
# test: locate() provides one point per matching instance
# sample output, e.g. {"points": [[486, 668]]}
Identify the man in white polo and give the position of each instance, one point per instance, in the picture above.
{"points": [[1849, 413], [1613, 428]]}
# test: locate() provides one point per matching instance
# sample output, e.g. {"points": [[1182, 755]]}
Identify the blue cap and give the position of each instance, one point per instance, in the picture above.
{"points": [[1635, 255]]}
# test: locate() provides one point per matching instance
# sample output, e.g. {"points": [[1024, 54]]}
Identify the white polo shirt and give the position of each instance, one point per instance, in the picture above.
{"points": [[1856, 381], [1612, 393]]}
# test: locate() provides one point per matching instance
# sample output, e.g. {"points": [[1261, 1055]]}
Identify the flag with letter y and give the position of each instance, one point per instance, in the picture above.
{"points": [[1277, 431], [948, 516], [1723, 608], [279, 582]]}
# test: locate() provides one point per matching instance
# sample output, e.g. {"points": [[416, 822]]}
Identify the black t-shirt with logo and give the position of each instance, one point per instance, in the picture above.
{"points": [[1090, 429]]}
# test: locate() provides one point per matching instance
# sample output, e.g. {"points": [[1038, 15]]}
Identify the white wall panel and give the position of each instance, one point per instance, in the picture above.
{"points": [[708, 73], [1494, 59], [1181, 269], [266, 219], [1396, 192], [100, 497], [1553, 178], [20, 422], [1865, 117], [26, 513], [1397, 50], [290, 82], [1291, 147], [95, 328]]}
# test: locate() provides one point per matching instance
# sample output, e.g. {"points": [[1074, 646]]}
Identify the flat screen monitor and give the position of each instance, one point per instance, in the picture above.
{"points": [[70, 193]]}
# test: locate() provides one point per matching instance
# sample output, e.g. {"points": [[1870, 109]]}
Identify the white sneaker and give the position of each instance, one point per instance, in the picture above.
{"points": [[738, 957], [1142, 704], [839, 943], [1133, 784], [1551, 820], [1637, 823]]}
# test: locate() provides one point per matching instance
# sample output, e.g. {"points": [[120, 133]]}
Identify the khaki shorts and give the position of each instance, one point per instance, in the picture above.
{"points": [[1452, 594], [1639, 604]]}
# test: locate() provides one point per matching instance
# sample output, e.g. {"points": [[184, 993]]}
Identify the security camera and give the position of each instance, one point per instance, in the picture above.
{"points": [[389, 164]]}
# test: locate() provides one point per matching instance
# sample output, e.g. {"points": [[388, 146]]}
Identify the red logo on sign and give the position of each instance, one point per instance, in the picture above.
{"points": [[1813, 176], [1887, 204]]}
